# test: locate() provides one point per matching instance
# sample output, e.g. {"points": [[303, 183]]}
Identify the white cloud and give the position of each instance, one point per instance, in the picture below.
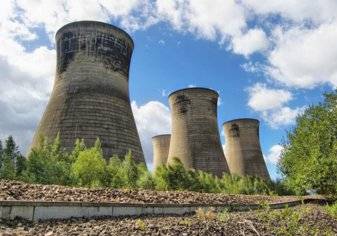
{"points": [[274, 154], [282, 116], [305, 58], [254, 40], [262, 98], [20, 105], [218, 20], [152, 118], [298, 11], [53, 14], [271, 104]]}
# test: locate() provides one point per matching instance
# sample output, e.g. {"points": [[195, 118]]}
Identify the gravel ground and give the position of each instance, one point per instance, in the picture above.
{"points": [[312, 221], [13, 190]]}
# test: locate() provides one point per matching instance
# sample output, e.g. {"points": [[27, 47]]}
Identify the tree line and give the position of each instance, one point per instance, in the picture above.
{"points": [[308, 162], [86, 166]]}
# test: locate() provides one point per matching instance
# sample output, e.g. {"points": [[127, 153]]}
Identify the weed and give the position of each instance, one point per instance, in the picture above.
{"points": [[332, 210], [140, 224], [185, 222], [206, 215], [224, 215]]}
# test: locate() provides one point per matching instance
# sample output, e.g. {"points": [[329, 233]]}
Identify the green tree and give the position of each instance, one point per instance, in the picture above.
{"points": [[115, 172], [48, 164], [10, 154], [309, 159], [20, 165], [172, 177], [145, 180], [78, 147], [90, 167], [130, 171]]}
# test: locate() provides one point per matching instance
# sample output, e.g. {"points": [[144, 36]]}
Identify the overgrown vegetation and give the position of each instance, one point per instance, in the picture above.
{"points": [[85, 166], [332, 210], [309, 159], [291, 221]]}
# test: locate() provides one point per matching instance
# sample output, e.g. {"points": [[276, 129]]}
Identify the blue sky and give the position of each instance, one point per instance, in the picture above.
{"points": [[268, 60]]}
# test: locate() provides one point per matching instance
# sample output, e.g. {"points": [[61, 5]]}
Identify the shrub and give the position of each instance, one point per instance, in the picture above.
{"points": [[90, 167], [47, 164], [114, 169], [146, 180], [130, 171]]}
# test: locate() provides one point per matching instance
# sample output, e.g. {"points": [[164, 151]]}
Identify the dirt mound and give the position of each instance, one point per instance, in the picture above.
{"points": [[14, 190]]}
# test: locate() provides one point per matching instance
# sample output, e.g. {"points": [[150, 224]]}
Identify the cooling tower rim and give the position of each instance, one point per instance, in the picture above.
{"points": [[194, 88], [160, 135], [241, 119], [97, 23]]}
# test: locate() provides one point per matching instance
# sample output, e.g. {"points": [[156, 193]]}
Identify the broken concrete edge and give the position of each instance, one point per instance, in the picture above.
{"points": [[41, 210]]}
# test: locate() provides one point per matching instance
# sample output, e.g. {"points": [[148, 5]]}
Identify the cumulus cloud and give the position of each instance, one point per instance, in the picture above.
{"points": [[305, 58], [271, 104], [254, 40], [152, 118], [20, 105], [297, 11], [274, 154], [262, 98]]}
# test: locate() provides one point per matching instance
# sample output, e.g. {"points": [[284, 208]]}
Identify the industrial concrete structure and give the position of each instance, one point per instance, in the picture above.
{"points": [[195, 138], [242, 149], [90, 97], [160, 145]]}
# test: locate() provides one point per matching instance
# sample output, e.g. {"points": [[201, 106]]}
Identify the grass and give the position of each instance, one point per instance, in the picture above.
{"points": [[332, 210]]}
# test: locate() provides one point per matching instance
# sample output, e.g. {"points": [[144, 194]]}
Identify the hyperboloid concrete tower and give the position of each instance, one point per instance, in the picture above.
{"points": [[242, 149], [160, 145], [90, 97], [195, 138]]}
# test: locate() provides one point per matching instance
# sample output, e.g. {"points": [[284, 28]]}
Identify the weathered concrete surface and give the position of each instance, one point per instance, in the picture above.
{"points": [[160, 145], [35, 211], [90, 97], [195, 138], [242, 149]]}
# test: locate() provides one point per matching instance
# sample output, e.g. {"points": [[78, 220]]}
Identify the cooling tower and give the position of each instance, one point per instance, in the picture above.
{"points": [[242, 150], [161, 145], [195, 136], [90, 97]]}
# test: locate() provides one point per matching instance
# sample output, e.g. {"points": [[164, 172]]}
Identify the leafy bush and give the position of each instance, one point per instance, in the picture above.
{"points": [[48, 164], [90, 167]]}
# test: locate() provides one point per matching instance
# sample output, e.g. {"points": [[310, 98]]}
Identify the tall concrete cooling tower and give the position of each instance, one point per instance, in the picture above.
{"points": [[242, 150], [90, 97], [160, 145], [195, 138]]}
